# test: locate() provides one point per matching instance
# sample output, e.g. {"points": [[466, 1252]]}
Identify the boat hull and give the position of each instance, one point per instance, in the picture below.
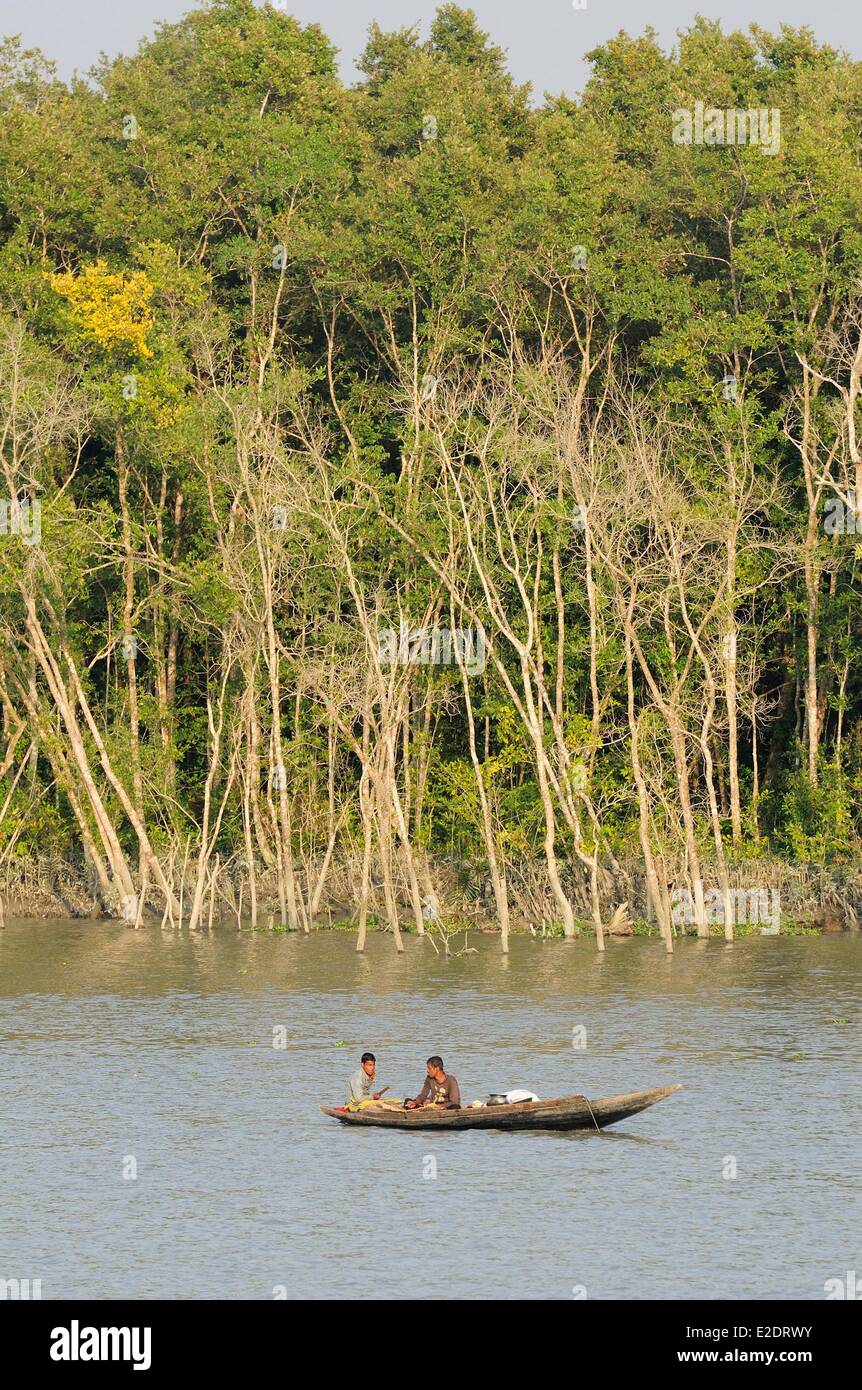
{"points": [[567, 1112]]}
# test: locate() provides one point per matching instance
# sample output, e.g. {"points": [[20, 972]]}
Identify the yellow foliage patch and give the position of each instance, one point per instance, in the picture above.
{"points": [[113, 308]]}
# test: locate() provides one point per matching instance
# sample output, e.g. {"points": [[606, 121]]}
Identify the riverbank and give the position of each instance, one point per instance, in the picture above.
{"points": [[768, 896]]}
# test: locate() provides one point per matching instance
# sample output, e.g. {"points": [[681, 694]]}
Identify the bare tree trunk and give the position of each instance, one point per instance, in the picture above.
{"points": [[657, 897], [498, 877], [129, 637]]}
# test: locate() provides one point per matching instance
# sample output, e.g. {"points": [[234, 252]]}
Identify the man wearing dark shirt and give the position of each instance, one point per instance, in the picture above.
{"points": [[439, 1089]]}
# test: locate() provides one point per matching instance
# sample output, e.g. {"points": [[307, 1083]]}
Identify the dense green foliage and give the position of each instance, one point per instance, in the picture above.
{"points": [[284, 363]]}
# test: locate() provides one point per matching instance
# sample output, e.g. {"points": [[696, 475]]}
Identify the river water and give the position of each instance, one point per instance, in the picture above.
{"points": [[155, 1143]]}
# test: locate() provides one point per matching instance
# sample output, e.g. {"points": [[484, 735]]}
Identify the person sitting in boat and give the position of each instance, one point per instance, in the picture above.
{"points": [[439, 1089], [359, 1085]]}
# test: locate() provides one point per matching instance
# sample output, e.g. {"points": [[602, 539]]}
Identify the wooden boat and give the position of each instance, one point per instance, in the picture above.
{"points": [[568, 1112]]}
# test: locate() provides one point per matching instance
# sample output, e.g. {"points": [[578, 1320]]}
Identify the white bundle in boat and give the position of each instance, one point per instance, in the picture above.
{"points": [[514, 1096]]}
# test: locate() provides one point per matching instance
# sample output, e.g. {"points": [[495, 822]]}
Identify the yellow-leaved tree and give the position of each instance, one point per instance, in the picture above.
{"points": [[113, 307], [138, 368]]}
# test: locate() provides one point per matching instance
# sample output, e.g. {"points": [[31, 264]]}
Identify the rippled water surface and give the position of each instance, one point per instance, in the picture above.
{"points": [[158, 1047]]}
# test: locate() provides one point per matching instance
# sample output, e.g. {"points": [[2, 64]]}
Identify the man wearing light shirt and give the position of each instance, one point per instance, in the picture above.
{"points": [[359, 1085]]}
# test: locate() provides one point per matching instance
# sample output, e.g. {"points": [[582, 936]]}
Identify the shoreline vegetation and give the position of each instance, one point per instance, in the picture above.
{"points": [[425, 504], [810, 901]]}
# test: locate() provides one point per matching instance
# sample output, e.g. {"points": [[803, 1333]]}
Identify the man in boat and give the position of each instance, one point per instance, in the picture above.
{"points": [[439, 1089], [359, 1085]]}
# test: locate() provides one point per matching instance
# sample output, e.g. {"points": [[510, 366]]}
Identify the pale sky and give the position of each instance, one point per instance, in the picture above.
{"points": [[545, 39]]}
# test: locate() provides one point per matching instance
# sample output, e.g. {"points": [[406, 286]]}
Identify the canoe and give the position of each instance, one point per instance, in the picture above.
{"points": [[567, 1112]]}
